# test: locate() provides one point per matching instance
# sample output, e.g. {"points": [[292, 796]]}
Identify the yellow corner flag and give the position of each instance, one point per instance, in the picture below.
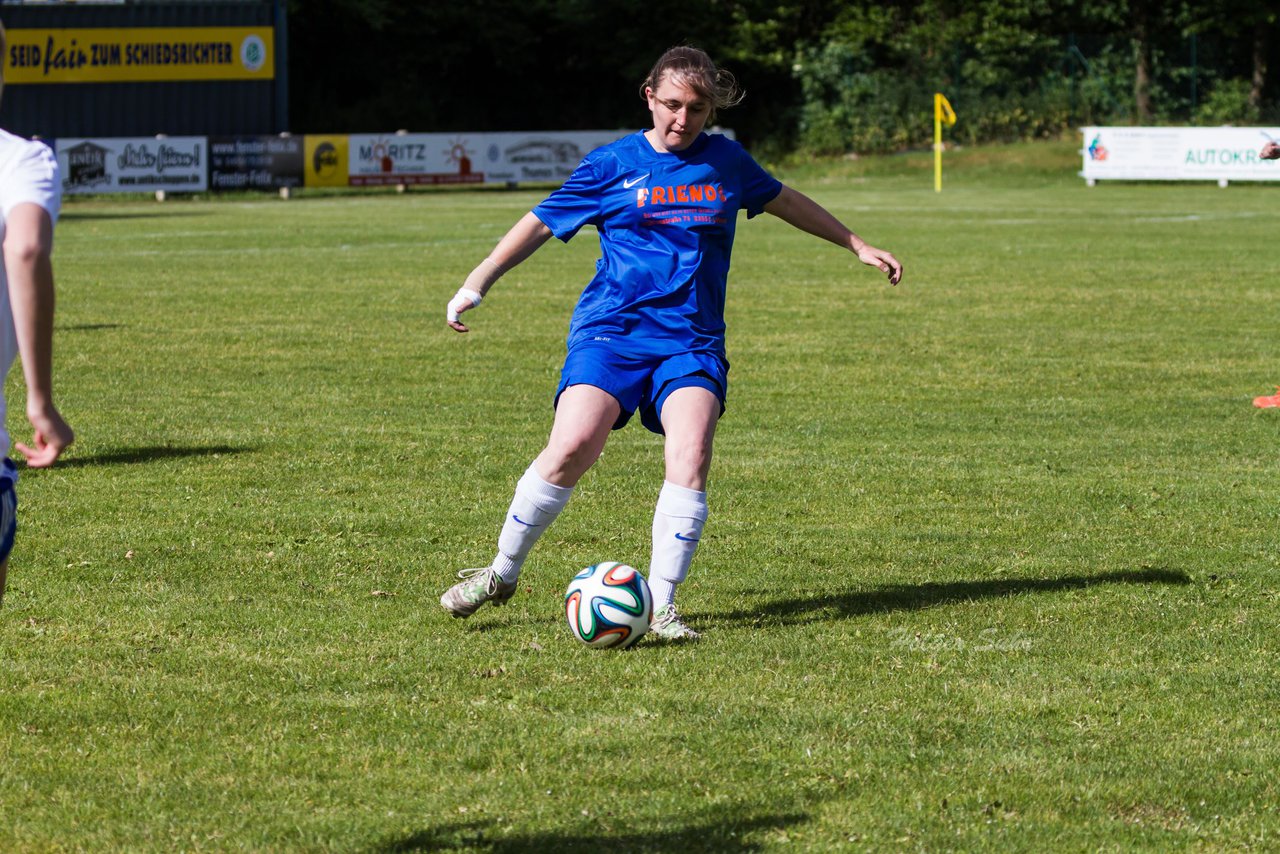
{"points": [[942, 112]]}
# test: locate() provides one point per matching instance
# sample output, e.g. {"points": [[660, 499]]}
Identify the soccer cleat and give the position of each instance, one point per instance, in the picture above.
{"points": [[667, 625], [1270, 401], [476, 587]]}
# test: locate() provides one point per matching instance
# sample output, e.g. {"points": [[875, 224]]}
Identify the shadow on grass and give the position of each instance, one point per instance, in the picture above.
{"points": [[136, 456], [917, 597], [712, 835], [90, 327]]}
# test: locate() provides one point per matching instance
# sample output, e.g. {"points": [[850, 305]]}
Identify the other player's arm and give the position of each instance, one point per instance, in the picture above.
{"points": [[807, 215], [519, 243], [28, 245]]}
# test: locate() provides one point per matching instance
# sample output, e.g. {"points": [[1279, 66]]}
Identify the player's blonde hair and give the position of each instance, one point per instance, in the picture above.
{"points": [[692, 67]]}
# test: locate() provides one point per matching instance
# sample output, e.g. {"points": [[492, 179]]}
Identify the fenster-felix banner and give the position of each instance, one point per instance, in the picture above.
{"points": [[142, 54], [255, 162]]}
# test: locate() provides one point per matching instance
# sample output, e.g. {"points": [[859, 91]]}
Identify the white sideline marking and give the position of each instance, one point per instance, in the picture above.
{"points": [[305, 250]]}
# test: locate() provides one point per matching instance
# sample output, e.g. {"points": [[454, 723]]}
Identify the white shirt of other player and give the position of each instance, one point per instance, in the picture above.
{"points": [[28, 173]]}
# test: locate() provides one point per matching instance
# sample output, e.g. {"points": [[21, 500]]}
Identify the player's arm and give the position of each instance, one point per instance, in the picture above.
{"points": [[1271, 151], [28, 245], [519, 243], [805, 214]]}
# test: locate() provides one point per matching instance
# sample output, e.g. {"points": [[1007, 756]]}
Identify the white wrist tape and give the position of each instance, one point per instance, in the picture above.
{"points": [[463, 296], [474, 288]]}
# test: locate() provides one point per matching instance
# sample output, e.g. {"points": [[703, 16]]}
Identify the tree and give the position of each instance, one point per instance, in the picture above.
{"points": [[1249, 27], [1140, 23]]}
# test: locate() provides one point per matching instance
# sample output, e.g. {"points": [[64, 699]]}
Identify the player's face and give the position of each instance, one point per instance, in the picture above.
{"points": [[678, 114]]}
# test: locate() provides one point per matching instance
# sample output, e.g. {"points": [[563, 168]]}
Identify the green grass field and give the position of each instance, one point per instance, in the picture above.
{"points": [[991, 563]]}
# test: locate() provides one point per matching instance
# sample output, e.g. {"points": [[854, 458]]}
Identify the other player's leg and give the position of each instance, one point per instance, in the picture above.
{"points": [[8, 524]]}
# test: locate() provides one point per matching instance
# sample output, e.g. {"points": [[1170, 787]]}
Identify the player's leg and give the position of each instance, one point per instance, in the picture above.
{"points": [[8, 525], [584, 416], [689, 416]]}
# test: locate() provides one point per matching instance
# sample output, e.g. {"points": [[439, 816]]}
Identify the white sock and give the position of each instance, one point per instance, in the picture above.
{"points": [[677, 528], [535, 506]]}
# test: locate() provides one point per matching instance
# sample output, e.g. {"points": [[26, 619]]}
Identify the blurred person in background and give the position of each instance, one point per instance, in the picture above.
{"points": [[30, 198], [1270, 151]]}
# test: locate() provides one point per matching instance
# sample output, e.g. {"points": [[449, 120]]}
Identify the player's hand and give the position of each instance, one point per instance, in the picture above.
{"points": [[1271, 151], [456, 307], [52, 435], [881, 260]]}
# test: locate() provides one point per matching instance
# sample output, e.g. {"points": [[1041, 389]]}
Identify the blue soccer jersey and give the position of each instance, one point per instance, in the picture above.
{"points": [[666, 223]]}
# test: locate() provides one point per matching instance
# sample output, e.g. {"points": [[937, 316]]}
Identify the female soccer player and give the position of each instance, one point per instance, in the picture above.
{"points": [[648, 332]]}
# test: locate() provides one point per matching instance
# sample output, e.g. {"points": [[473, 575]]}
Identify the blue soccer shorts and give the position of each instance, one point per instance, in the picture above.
{"points": [[8, 508], [642, 382]]}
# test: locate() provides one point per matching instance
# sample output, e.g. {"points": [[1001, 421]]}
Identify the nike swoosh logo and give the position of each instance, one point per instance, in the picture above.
{"points": [[523, 522], [627, 185], [687, 539]]}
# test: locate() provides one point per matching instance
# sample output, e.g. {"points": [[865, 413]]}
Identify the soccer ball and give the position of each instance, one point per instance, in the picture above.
{"points": [[608, 605]]}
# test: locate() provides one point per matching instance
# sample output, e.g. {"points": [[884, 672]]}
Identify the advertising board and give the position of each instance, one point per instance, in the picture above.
{"points": [[1221, 154], [139, 54], [134, 164], [255, 162]]}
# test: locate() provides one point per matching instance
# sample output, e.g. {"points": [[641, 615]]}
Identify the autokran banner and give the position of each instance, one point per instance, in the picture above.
{"points": [[1221, 154]]}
